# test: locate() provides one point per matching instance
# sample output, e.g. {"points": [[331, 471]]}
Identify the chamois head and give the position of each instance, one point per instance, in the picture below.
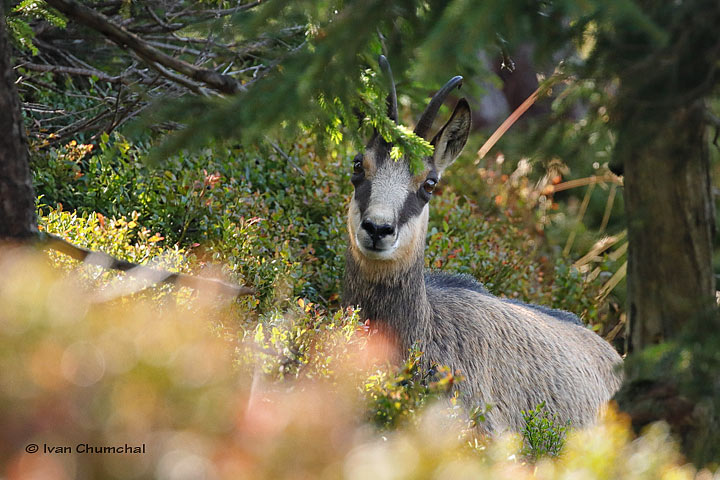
{"points": [[387, 219]]}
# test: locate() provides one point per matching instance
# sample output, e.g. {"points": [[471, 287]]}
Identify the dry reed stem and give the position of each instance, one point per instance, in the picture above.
{"points": [[505, 126]]}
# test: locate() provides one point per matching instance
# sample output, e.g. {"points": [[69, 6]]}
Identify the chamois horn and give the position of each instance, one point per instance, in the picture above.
{"points": [[428, 117], [392, 96]]}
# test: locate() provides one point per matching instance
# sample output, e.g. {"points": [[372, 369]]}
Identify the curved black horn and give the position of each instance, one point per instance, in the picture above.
{"points": [[428, 117], [392, 96]]}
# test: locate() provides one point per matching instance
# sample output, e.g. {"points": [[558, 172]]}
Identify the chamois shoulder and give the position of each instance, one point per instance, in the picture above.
{"points": [[440, 281], [436, 280], [563, 315]]}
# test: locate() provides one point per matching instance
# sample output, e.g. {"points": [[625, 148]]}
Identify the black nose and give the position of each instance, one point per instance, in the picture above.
{"points": [[377, 232]]}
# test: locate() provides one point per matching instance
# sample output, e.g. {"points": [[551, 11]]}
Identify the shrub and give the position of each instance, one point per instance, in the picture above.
{"points": [[397, 395], [543, 435], [273, 224]]}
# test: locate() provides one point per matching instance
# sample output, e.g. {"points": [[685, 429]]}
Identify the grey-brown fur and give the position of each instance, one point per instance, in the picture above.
{"points": [[514, 356]]}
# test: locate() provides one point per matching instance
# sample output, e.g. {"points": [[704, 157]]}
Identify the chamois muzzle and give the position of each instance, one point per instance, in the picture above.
{"points": [[376, 239], [377, 232]]}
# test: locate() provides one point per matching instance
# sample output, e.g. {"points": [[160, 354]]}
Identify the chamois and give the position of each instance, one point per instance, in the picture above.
{"points": [[514, 356]]}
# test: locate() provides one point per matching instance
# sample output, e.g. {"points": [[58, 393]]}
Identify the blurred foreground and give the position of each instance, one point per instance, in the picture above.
{"points": [[169, 375]]}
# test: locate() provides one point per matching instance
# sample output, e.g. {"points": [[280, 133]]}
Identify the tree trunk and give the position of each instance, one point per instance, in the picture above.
{"points": [[665, 75], [671, 287], [17, 200], [670, 221]]}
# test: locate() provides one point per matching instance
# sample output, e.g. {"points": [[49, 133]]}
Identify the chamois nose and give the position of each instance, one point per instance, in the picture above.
{"points": [[377, 232]]}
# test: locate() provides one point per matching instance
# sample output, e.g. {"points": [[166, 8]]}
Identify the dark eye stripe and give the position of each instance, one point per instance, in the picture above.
{"points": [[412, 207], [380, 148], [363, 190]]}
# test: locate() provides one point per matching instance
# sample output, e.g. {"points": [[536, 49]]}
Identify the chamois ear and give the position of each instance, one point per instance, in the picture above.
{"points": [[452, 137]]}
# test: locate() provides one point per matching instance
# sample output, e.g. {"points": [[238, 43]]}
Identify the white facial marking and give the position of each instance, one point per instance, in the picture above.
{"points": [[389, 190], [390, 185]]}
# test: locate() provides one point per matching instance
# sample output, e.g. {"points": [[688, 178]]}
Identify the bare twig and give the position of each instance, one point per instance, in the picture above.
{"points": [[581, 182], [514, 116], [177, 48], [179, 79], [120, 35], [285, 156], [202, 15], [608, 207], [154, 275], [616, 329], [581, 214], [543, 89], [127, 115], [157, 19], [83, 72], [40, 108], [68, 56]]}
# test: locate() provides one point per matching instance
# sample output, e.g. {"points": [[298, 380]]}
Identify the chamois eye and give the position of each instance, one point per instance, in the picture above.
{"points": [[358, 166], [429, 185]]}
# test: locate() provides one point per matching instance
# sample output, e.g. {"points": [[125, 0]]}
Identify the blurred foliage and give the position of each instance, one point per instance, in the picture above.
{"points": [[397, 396], [303, 342], [128, 371]]}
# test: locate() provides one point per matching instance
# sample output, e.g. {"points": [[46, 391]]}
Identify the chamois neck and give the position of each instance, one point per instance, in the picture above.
{"points": [[395, 302]]}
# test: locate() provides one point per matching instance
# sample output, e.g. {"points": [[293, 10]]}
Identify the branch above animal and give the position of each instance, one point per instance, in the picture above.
{"points": [[514, 356]]}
